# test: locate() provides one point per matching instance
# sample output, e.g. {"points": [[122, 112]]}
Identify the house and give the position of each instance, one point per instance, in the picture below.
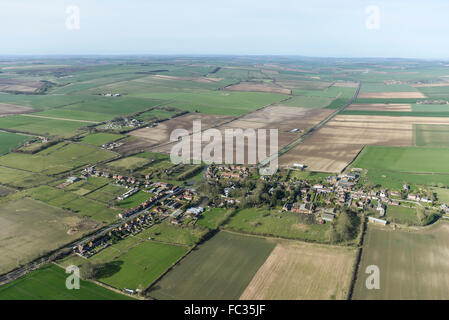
{"points": [[196, 211], [299, 165], [381, 209], [412, 196]]}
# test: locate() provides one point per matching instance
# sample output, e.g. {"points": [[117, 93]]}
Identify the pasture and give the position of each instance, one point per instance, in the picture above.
{"points": [[30, 228], [220, 268], [140, 265], [48, 283], [264, 221], [100, 138], [10, 141], [412, 264]]}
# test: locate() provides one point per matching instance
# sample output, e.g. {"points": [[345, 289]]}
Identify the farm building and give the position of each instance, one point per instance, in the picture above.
{"points": [[377, 221]]}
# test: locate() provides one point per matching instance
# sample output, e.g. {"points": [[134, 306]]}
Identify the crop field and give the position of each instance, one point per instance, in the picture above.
{"points": [[101, 138], [285, 119], [43, 228], [258, 87], [404, 159], [267, 222], [431, 135], [56, 159], [41, 126], [141, 265], [412, 265], [307, 102], [221, 268], [336, 144], [391, 95], [380, 107], [161, 133], [302, 271], [10, 141]]}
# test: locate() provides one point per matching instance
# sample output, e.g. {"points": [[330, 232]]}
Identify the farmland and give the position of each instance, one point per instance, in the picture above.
{"points": [[413, 265], [43, 228], [10, 141], [221, 268], [48, 283], [314, 272], [101, 127]]}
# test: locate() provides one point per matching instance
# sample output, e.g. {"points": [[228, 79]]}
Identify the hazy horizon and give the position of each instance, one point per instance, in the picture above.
{"points": [[322, 29]]}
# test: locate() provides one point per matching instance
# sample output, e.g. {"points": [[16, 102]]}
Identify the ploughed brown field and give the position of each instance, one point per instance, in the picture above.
{"points": [[390, 95], [380, 107], [335, 145], [151, 137], [284, 119], [6, 109]]}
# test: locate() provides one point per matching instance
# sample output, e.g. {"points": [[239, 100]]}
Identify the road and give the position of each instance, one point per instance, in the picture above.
{"points": [[316, 127]]}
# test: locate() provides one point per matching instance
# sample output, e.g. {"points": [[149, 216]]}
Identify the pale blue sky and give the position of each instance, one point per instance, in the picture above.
{"points": [[326, 28]]}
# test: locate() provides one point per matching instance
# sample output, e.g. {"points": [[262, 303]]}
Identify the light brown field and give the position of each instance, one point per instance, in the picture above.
{"points": [[390, 95], [258, 87], [282, 118], [151, 137], [380, 107], [296, 271], [426, 85], [335, 145], [6, 109], [14, 85]]}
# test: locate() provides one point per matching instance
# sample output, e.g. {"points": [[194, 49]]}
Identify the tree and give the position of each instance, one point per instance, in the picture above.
{"points": [[89, 270]]}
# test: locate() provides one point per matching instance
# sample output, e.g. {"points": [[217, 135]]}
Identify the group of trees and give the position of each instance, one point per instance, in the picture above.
{"points": [[345, 227]]}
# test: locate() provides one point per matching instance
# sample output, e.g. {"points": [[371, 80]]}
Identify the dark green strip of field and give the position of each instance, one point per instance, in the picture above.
{"points": [[431, 135], [10, 141], [221, 268], [48, 283]]}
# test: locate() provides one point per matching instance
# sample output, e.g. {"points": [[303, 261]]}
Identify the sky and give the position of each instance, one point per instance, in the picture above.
{"points": [[318, 28]]}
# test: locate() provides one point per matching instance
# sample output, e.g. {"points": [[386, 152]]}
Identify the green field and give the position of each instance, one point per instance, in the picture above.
{"points": [[41, 126], [221, 268], [213, 217], [431, 135], [392, 166], [100, 138], [48, 283], [402, 215], [135, 200], [165, 232], [10, 141], [56, 159], [130, 163], [275, 223], [412, 265], [73, 202], [141, 265], [30, 228]]}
